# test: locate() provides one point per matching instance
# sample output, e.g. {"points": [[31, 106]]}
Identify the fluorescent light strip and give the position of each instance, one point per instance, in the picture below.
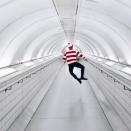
{"points": [[40, 60], [127, 70], [110, 63], [6, 71], [28, 64], [99, 59]]}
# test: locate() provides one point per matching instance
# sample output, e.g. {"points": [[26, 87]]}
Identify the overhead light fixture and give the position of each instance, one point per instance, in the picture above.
{"points": [[28, 64], [99, 59], [127, 70], [40, 60], [6, 71], [110, 63]]}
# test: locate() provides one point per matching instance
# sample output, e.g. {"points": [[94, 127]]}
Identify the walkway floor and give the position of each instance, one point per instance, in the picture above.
{"points": [[69, 106]]}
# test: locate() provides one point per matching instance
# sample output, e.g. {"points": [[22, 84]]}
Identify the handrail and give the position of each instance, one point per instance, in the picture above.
{"points": [[24, 75], [111, 60], [22, 62], [106, 71]]}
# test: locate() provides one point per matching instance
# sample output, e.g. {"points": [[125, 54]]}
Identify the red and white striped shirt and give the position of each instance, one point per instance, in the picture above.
{"points": [[71, 56]]}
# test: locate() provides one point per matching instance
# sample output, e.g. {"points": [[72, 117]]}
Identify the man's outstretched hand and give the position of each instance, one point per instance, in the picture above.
{"points": [[85, 59]]}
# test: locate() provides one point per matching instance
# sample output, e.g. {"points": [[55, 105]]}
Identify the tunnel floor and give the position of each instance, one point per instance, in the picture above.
{"points": [[69, 106]]}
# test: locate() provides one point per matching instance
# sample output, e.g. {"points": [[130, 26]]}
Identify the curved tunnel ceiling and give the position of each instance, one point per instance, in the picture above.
{"points": [[36, 28], [103, 19]]}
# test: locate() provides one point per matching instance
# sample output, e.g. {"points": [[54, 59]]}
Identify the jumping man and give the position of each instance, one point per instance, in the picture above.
{"points": [[70, 56]]}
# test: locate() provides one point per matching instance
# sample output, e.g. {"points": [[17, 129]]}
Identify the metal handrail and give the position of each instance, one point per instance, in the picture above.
{"points": [[118, 62], [25, 75], [106, 71], [22, 62]]}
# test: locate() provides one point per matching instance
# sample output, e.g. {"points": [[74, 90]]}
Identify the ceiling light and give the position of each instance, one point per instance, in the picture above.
{"points": [[40, 60], [99, 59], [110, 63], [28, 63]]}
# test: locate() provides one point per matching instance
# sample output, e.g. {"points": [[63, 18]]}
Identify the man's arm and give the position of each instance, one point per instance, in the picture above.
{"points": [[64, 57], [79, 54]]}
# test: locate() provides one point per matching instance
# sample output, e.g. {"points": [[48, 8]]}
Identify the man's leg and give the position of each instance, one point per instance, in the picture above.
{"points": [[71, 67], [82, 70]]}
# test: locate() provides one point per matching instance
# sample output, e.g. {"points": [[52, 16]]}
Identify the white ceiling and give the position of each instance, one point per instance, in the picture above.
{"points": [[67, 13]]}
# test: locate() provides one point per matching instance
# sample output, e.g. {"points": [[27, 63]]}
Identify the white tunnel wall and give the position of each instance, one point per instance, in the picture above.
{"points": [[112, 43], [50, 43], [102, 21], [96, 45], [32, 29], [47, 42], [26, 33]]}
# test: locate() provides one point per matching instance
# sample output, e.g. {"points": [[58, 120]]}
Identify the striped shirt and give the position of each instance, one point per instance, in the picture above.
{"points": [[71, 56]]}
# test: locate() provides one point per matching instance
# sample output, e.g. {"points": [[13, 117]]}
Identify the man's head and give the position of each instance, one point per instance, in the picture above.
{"points": [[70, 46]]}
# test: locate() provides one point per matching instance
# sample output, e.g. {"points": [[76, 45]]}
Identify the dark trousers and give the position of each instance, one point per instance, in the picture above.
{"points": [[76, 64]]}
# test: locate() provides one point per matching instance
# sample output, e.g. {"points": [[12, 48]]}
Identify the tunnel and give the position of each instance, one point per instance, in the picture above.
{"points": [[37, 90]]}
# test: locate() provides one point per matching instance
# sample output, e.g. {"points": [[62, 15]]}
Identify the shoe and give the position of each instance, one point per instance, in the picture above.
{"points": [[84, 78], [79, 80]]}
